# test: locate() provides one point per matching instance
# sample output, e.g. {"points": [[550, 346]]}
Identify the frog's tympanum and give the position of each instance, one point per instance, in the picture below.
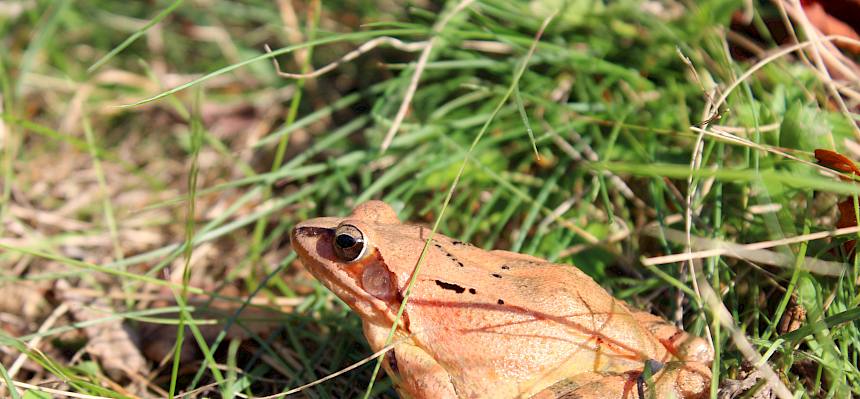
{"points": [[494, 324]]}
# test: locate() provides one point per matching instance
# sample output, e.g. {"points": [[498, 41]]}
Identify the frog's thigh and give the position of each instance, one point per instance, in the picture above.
{"points": [[687, 347], [417, 375], [593, 386], [683, 380]]}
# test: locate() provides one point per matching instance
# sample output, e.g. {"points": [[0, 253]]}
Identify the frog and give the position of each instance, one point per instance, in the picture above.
{"points": [[492, 323]]}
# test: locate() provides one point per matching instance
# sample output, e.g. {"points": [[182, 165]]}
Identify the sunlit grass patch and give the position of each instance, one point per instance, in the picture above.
{"points": [[153, 161]]}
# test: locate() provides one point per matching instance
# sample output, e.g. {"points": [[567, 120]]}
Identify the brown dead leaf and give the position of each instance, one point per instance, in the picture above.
{"points": [[157, 341], [836, 161], [835, 17], [109, 341], [23, 299], [749, 379], [841, 163], [793, 317]]}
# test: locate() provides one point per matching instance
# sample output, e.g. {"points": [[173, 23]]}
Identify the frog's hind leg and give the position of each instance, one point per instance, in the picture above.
{"points": [[651, 367], [680, 344], [681, 380], [593, 385], [687, 380]]}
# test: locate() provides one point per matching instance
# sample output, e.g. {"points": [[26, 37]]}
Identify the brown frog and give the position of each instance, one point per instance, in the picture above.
{"points": [[494, 324]]}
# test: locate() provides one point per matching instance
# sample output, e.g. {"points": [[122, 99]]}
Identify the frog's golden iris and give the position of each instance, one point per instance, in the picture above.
{"points": [[349, 243]]}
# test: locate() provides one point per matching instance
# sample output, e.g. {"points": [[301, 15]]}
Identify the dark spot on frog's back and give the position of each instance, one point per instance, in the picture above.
{"points": [[449, 255], [453, 287], [500, 302], [496, 275], [506, 267], [473, 291]]}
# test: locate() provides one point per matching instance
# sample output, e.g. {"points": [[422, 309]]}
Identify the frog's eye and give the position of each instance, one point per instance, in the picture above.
{"points": [[349, 243]]}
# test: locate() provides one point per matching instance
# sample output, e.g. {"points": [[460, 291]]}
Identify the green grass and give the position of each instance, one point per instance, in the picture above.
{"points": [[153, 158]]}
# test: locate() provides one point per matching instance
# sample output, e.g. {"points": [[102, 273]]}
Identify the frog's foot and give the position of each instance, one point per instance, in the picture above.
{"points": [[688, 380], [681, 345], [683, 380], [651, 366]]}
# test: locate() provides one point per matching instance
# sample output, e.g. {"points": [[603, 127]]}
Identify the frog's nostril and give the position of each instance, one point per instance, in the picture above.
{"points": [[308, 231]]}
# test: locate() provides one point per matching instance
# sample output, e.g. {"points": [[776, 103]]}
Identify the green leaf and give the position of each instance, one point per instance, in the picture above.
{"points": [[88, 368], [31, 394], [804, 128]]}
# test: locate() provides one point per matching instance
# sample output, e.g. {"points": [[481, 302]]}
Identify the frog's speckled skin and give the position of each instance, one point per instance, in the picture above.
{"points": [[496, 324]]}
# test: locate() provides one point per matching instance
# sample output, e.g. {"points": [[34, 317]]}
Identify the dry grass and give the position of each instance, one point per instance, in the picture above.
{"points": [[631, 175]]}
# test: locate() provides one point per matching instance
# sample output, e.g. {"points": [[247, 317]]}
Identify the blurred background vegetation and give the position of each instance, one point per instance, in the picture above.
{"points": [[153, 161]]}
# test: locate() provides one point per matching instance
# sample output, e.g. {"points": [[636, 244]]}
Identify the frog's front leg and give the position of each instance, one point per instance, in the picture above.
{"points": [[415, 374], [683, 380]]}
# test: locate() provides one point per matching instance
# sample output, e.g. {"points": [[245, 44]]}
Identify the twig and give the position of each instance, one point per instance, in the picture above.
{"points": [[419, 70], [47, 324], [53, 391], [753, 252], [332, 375], [695, 164], [741, 342], [784, 51], [819, 63], [367, 46]]}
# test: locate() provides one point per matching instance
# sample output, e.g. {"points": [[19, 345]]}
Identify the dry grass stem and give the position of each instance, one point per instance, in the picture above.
{"points": [[419, 70]]}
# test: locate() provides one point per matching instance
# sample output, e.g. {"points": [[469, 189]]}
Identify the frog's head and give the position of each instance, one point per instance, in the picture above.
{"points": [[350, 256]]}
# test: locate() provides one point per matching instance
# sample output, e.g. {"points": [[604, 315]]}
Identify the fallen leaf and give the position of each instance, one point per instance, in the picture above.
{"points": [[109, 341], [829, 18], [841, 163], [836, 161], [793, 318]]}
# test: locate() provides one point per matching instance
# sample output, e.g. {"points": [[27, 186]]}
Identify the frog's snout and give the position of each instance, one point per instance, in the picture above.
{"points": [[312, 242], [309, 231], [302, 236]]}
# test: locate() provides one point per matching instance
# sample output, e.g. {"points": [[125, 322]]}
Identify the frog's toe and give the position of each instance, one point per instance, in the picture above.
{"points": [[681, 344], [688, 380], [652, 366]]}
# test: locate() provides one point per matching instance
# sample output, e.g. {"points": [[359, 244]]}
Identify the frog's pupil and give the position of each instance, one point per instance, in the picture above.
{"points": [[345, 241]]}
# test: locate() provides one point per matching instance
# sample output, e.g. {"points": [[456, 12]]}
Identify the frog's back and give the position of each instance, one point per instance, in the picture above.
{"points": [[571, 299], [513, 317]]}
